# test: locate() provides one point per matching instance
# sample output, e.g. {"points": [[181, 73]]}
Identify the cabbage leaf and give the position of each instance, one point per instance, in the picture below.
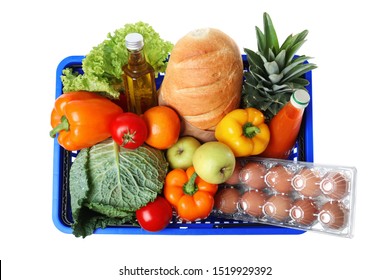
{"points": [[109, 183]]}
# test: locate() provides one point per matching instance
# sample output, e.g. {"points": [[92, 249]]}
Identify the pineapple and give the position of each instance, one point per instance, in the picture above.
{"points": [[275, 72]]}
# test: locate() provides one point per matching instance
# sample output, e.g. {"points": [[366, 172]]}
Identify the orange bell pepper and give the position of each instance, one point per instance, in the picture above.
{"points": [[82, 119], [191, 196]]}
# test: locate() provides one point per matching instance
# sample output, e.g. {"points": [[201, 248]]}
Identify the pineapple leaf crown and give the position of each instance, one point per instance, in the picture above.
{"points": [[275, 71]]}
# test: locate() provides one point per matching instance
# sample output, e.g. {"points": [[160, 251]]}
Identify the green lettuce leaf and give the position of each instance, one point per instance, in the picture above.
{"points": [[73, 81], [102, 66], [109, 183]]}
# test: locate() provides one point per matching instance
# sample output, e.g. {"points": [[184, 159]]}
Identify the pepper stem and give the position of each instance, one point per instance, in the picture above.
{"points": [[190, 187], [63, 125], [249, 130]]}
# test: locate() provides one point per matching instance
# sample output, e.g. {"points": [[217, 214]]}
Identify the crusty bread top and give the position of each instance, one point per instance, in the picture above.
{"points": [[204, 76]]}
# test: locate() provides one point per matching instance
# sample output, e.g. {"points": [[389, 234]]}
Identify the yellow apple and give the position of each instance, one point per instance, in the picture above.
{"points": [[181, 153], [214, 162]]}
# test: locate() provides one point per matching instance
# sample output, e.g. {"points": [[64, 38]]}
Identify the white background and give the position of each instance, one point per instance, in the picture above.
{"points": [[349, 43]]}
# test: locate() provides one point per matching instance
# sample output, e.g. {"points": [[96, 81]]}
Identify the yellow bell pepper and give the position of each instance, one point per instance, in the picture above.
{"points": [[244, 131]]}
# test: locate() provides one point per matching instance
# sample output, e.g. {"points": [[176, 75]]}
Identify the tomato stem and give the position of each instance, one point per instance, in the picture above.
{"points": [[63, 125], [128, 137], [249, 130], [190, 187]]}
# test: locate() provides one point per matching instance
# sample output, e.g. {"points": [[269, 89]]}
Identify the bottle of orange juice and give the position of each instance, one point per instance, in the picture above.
{"points": [[284, 126]]}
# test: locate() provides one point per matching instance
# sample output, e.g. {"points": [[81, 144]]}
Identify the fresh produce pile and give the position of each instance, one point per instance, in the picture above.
{"points": [[170, 160]]}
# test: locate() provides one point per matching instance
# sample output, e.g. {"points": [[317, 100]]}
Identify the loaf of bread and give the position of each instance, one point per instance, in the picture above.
{"points": [[203, 80]]}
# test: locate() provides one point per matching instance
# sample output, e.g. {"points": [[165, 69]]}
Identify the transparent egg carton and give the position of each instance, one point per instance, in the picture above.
{"points": [[293, 194]]}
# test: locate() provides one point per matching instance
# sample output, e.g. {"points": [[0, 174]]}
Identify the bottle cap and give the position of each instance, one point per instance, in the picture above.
{"points": [[134, 41], [300, 98]]}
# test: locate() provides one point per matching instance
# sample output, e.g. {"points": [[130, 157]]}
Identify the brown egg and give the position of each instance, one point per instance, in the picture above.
{"points": [[252, 202], [334, 185], [303, 211], [307, 183], [279, 178], [226, 200], [332, 215], [277, 207], [235, 178], [252, 175]]}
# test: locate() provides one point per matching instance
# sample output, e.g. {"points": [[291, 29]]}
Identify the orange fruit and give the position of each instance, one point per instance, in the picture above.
{"points": [[163, 127]]}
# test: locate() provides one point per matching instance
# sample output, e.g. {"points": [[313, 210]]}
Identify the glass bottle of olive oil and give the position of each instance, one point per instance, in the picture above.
{"points": [[138, 77]]}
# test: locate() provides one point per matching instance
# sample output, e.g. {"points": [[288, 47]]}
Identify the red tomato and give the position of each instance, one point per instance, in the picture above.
{"points": [[155, 216], [129, 130]]}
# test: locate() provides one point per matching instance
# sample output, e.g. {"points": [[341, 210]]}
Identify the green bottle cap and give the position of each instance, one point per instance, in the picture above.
{"points": [[300, 99]]}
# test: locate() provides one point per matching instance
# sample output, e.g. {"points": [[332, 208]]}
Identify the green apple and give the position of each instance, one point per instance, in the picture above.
{"points": [[180, 154], [214, 162]]}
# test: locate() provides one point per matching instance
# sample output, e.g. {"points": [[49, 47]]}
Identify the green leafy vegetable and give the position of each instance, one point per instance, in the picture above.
{"points": [[109, 183], [102, 66]]}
